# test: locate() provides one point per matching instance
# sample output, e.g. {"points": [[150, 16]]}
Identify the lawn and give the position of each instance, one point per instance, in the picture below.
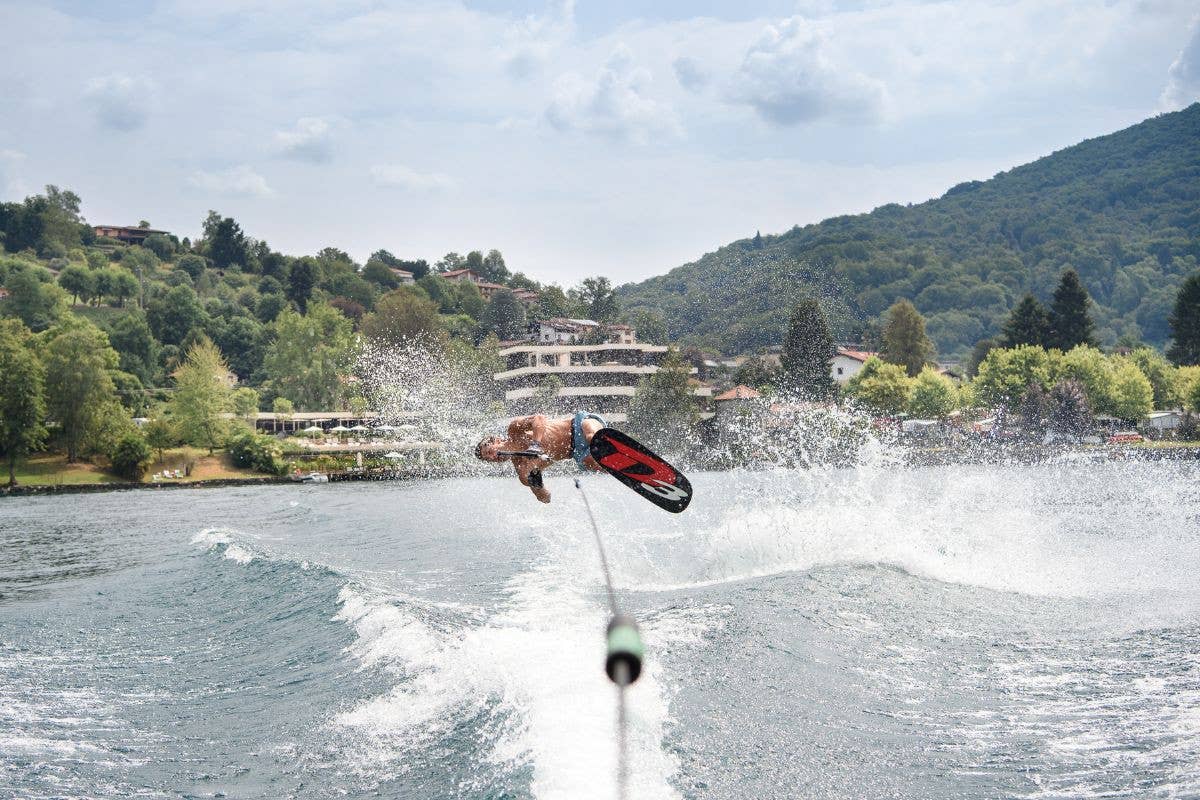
{"points": [[52, 468]]}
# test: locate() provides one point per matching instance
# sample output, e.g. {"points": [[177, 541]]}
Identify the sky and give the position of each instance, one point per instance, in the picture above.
{"points": [[594, 137]]}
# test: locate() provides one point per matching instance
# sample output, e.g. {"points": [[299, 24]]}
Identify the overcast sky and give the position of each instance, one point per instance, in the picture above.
{"points": [[595, 137]]}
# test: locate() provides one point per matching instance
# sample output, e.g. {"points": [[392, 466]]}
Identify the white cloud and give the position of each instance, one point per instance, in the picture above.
{"points": [[120, 102], [239, 180], [1183, 78], [399, 176], [309, 140], [615, 105], [788, 78], [691, 74], [530, 42]]}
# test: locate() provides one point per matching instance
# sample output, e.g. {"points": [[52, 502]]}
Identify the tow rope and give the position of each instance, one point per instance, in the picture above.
{"points": [[623, 654]]}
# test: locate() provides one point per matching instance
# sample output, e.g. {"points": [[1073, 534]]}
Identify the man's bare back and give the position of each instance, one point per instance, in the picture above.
{"points": [[546, 441]]}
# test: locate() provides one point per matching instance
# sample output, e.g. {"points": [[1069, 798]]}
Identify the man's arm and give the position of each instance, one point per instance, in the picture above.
{"points": [[529, 473]]}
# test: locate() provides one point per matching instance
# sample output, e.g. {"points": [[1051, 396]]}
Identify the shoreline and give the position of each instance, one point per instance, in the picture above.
{"points": [[913, 456]]}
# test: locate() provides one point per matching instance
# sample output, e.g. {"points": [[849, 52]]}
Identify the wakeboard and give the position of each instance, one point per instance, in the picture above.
{"points": [[636, 466]]}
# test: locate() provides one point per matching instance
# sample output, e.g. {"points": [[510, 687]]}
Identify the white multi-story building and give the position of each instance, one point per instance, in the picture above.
{"points": [[601, 378]]}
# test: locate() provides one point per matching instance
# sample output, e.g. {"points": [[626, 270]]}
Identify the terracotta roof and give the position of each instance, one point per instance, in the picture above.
{"points": [[857, 355], [454, 273], [738, 392]]}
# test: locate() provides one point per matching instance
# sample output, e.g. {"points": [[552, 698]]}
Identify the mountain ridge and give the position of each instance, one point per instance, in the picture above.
{"points": [[1123, 209]]}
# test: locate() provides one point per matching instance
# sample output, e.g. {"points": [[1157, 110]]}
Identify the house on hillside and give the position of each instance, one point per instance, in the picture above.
{"points": [[405, 277], [487, 288], [561, 330], [124, 234], [734, 399], [846, 363]]}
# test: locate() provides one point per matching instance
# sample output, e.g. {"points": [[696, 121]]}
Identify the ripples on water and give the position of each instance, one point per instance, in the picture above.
{"points": [[975, 632]]}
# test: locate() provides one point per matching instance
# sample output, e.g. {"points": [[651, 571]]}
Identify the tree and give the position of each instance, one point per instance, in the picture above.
{"points": [[978, 354], [245, 404], [880, 386], [22, 396], [599, 299], [755, 373], [160, 434], [450, 262], [552, 302], [79, 388], [310, 354], [192, 264], [160, 245], [269, 306], [173, 315], [227, 244], [1070, 322], [301, 280], [933, 396], [1164, 378], [202, 397], [493, 267], [1132, 394], [79, 282], [663, 411], [505, 316], [1034, 410], [807, 350], [1070, 411], [283, 408], [1027, 324], [1185, 323], [380, 273], [1006, 373], [650, 325], [904, 339], [1092, 369], [136, 348], [123, 285], [36, 303], [131, 456], [467, 299], [403, 316]]}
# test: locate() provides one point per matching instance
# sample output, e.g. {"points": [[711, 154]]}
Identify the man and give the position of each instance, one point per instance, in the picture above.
{"points": [[535, 442]]}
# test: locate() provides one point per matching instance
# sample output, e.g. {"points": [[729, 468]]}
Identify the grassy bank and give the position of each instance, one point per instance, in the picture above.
{"points": [[52, 469]]}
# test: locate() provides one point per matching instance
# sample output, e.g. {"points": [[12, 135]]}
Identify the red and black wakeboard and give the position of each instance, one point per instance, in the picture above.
{"points": [[634, 465]]}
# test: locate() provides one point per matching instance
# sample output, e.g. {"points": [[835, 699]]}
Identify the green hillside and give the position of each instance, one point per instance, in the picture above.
{"points": [[1122, 209]]}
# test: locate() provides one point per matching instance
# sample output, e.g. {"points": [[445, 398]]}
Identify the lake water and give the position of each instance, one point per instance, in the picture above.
{"points": [[968, 632]]}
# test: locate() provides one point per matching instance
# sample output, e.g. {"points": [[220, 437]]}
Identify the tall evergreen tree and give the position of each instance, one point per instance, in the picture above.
{"points": [[904, 340], [1070, 322], [1027, 324], [1185, 323], [807, 350]]}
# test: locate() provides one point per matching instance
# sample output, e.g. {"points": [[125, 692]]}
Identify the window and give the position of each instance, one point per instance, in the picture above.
{"points": [[839, 370]]}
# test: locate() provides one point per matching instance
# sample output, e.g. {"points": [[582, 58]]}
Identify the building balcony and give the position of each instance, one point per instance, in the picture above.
{"points": [[606, 369]]}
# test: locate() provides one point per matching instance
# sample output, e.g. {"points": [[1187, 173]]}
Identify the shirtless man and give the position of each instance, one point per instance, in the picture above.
{"points": [[540, 442]]}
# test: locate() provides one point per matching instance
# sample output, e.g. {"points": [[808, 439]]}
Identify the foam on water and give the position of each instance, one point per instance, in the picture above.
{"points": [[537, 661]]}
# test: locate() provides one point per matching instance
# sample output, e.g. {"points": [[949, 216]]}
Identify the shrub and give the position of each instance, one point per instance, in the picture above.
{"points": [[130, 457], [260, 453]]}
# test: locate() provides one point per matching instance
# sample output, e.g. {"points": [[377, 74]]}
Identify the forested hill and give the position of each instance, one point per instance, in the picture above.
{"points": [[1122, 209]]}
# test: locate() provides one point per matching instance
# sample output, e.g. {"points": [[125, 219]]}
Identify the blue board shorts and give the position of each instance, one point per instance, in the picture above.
{"points": [[579, 442]]}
